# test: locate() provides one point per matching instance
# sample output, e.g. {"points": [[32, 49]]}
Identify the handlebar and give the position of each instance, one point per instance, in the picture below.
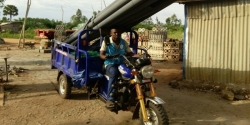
{"points": [[126, 61], [112, 56]]}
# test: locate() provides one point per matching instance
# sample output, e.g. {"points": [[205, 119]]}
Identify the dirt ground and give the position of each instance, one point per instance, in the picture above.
{"points": [[31, 98]]}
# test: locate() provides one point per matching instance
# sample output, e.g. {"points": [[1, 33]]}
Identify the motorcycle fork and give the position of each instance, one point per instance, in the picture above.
{"points": [[152, 90], [141, 100]]}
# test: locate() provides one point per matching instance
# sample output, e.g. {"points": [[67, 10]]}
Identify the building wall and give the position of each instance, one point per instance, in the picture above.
{"points": [[217, 41]]}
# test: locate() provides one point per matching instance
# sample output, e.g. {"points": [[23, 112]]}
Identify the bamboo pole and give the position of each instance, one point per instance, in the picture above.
{"points": [[22, 34]]}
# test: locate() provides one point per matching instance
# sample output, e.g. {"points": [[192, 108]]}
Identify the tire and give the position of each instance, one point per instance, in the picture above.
{"points": [[64, 87], [156, 114]]}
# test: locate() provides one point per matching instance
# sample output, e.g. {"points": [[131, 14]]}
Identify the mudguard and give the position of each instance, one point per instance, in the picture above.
{"points": [[136, 111], [155, 100]]}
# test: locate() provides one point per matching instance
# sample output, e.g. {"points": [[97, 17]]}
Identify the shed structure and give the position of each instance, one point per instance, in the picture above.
{"points": [[217, 41], [12, 26]]}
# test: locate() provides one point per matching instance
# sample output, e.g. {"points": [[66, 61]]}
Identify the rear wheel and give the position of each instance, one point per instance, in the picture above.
{"points": [[64, 86], [156, 115]]}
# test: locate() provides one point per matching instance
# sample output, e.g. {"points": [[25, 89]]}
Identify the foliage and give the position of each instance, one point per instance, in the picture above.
{"points": [[31, 24], [173, 21], [10, 10], [76, 19], [1, 3], [148, 21], [158, 21], [29, 33], [4, 19], [173, 24], [34, 23], [175, 34], [140, 25], [147, 24]]}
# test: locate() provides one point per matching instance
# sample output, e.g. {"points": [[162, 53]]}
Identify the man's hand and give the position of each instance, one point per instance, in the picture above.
{"points": [[136, 55], [130, 54], [112, 56]]}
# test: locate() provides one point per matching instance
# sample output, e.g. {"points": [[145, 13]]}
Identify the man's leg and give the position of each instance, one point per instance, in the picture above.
{"points": [[113, 74]]}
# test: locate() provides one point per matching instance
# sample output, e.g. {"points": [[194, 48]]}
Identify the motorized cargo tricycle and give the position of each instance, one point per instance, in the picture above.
{"points": [[81, 65]]}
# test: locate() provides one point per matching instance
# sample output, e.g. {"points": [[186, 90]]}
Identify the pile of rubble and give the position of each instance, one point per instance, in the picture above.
{"points": [[13, 71], [2, 41], [228, 91]]}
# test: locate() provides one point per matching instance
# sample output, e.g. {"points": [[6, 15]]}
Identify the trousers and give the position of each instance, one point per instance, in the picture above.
{"points": [[112, 69]]}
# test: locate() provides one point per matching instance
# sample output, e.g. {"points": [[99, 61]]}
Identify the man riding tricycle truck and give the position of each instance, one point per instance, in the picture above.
{"points": [[111, 71]]}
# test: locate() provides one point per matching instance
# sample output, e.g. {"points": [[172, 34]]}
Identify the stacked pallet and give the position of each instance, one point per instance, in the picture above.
{"points": [[60, 32], [173, 50], [143, 38], [162, 48], [157, 36], [154, 40]]}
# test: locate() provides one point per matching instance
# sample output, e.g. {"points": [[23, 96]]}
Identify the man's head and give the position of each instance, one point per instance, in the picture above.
{"points": [[114, 33]]}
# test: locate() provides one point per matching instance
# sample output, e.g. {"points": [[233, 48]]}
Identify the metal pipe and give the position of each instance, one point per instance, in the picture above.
{"points": [[107, 23], [99, 17], [147, 12], [134, 13], [119, 13], [130, 14]]}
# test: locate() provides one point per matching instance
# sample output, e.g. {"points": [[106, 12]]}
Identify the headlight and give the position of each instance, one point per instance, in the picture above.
{"points": [[147, 71]]}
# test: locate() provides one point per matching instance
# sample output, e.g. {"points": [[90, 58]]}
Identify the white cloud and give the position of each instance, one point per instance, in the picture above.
{"points": [[51, 9]]}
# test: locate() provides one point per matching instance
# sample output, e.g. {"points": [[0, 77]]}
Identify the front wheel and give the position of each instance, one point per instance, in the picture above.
{"points": [[156, 115], [64, 87]]}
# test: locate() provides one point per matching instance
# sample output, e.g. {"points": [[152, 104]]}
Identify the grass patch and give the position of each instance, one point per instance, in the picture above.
{"points": [[29, 34], [175, 34]]}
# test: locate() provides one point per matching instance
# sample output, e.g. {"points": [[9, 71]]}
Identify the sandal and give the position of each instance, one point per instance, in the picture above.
{"points": [[110, 104]]}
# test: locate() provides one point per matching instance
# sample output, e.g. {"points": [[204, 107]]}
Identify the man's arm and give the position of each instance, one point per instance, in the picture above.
{"points": [[102, 55], [128, 50], [103, 51]]}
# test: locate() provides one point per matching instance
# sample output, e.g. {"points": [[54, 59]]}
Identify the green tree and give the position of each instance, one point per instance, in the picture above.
{"points": [[33, 23], [140, 25], [78, 17], [147, 24], [10, 10], [148, 21], [174, 26], [173, 21], [158, 21], [4, 19], [1, 3]]}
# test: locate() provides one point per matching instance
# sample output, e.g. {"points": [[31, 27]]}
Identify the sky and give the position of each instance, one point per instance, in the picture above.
{"points": [[52, 9]]}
